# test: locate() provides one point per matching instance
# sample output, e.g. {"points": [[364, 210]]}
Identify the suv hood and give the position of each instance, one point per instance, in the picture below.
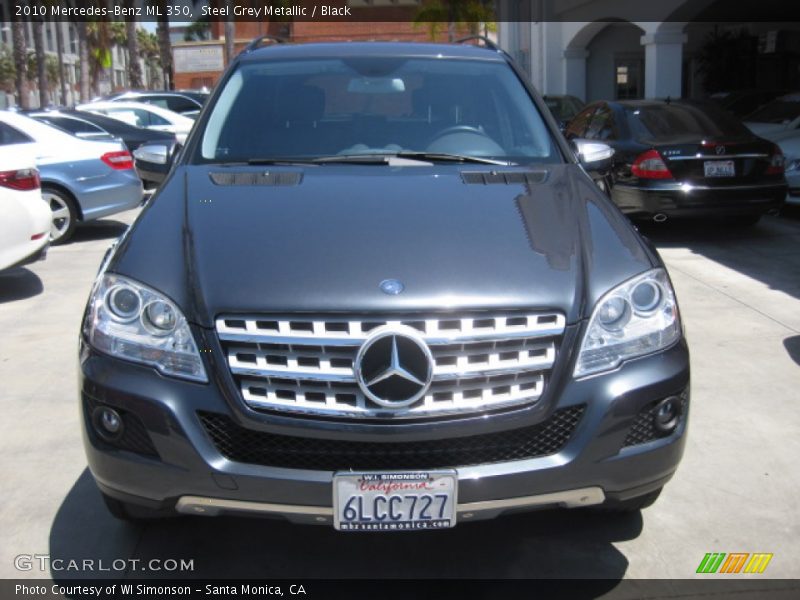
{"points": [[326, 243]]}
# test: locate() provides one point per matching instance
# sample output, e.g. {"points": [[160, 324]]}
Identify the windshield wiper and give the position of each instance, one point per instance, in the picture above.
{"points": [[365, 159], [279, 161], [446, 157], [379, 158]]}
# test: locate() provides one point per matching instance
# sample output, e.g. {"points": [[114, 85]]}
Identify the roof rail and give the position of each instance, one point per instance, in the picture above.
{"points": [[481, 38], [263, 38]]}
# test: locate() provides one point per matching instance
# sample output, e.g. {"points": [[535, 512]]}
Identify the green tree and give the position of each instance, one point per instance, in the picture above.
{"points": [[464, 14], [151, 53], [199, 30], [8, 71]]}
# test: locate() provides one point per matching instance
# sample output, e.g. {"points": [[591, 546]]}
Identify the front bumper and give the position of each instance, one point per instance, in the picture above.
{"points": [[184, 469], [683, 200]]}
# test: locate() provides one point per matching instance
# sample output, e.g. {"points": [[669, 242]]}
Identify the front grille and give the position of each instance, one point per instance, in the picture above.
{"points": [[306, 365], [134, 436], [244, 445]]}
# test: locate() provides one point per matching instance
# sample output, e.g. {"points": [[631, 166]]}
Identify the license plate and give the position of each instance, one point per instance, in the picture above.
{"points": [[394, 501], [719, 168]]}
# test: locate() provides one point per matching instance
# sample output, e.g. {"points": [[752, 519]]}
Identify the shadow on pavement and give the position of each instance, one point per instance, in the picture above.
{"points": [[792, 345], [766, 252], [547, 544], [97, 230], [19, 284]]}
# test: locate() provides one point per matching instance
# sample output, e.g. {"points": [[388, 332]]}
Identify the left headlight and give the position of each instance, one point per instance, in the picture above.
{"points": [[636, 318], [132, 321]]}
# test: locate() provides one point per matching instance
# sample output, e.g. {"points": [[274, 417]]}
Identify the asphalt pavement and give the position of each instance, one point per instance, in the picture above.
{"points": [[736, 490]]}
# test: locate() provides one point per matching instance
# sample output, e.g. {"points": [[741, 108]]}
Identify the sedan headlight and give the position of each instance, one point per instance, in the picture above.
{"points": [[636, 318], [791, 164], [132, 321]]}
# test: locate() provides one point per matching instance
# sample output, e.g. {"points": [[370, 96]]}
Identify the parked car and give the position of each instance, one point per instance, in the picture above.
{"points": [[564, 108], [684, 159], [741, 103], [81, 179], [143, 115], [789, 142], [183, 102], [24, 216], [782, 114], [89, 125], [379, 292]]}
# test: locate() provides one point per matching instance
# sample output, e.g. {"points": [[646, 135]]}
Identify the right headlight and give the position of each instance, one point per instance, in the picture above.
{"points": [[636, 318], [129, 320]]}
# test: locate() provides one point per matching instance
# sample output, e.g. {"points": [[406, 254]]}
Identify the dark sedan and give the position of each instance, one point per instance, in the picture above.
{"points": [[684, 159], [93, 126]]}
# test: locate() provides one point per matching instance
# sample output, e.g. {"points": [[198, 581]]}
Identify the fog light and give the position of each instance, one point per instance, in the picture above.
{"points": [[667, 414], [107, 422]]}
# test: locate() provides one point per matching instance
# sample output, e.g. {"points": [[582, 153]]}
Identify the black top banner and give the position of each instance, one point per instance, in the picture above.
{"points": [[463, 11]]}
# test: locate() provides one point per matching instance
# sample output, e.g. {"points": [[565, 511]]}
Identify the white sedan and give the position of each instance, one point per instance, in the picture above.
{"points": [[24, 216], [143, 115]]}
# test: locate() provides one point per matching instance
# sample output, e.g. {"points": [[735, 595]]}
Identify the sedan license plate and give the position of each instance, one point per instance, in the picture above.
{"points": [[719, 168], [394, 501]]}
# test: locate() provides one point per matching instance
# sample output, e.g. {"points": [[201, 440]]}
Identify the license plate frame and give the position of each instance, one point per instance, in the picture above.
{"points": [[349, 486], [719, 168]]}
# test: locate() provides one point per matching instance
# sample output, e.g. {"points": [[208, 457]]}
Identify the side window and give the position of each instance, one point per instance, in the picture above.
{"points": [[577, 127], [74, 125], [159, 101], [10, 135], [179, 104], [602, 125], [154, 119]]}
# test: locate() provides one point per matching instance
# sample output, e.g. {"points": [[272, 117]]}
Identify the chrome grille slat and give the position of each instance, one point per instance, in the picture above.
{"points": [[305, 365]]}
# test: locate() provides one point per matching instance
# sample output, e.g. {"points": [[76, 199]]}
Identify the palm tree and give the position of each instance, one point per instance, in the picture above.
{"points": [[165, 49], [20, 63], [230, 34], [83, 52], [134, 66], [150, 51], [41, 68], [60, 53]]}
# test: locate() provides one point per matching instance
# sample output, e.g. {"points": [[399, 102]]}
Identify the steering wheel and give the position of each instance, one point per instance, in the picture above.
{"points": [[459, 129]]}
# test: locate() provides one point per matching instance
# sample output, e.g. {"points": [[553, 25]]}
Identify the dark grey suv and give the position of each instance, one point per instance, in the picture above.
{"points": [[379, 291]]}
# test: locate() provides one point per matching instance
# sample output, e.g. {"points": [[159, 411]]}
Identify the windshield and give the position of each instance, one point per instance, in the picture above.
{"points": [[310, 109], [671, 120], [781, 110]]}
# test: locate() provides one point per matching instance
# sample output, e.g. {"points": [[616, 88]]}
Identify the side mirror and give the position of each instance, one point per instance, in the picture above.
{"points": [[158, 154], [594, 156], [154, 161]]}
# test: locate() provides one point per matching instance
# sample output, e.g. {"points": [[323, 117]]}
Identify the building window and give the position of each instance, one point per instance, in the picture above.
{"points": [[628, 78]]}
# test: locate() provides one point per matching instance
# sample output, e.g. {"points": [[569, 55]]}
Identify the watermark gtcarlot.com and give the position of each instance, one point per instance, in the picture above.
{"points": [[43, 562]]}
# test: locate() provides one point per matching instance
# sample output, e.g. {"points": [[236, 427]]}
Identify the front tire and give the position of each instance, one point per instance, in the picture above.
{"points": [[65, 214]]}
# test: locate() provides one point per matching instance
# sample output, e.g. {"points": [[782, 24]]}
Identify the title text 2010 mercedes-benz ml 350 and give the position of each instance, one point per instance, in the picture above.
{"points": [[379, 291]]}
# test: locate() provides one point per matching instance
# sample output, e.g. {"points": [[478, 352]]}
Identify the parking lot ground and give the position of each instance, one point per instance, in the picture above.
{"points": [[736, 490]]}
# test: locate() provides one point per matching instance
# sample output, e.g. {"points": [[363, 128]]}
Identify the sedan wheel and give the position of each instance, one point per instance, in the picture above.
{"points": [[64, 215]]}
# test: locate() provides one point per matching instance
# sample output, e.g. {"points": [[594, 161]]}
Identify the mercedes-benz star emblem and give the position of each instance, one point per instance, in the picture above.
{"points": [[394, 367], [720, 149], [392, 286]]}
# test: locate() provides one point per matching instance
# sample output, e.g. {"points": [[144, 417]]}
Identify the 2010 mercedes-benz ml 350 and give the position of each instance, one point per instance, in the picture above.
{"points": [[379, 291]]}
